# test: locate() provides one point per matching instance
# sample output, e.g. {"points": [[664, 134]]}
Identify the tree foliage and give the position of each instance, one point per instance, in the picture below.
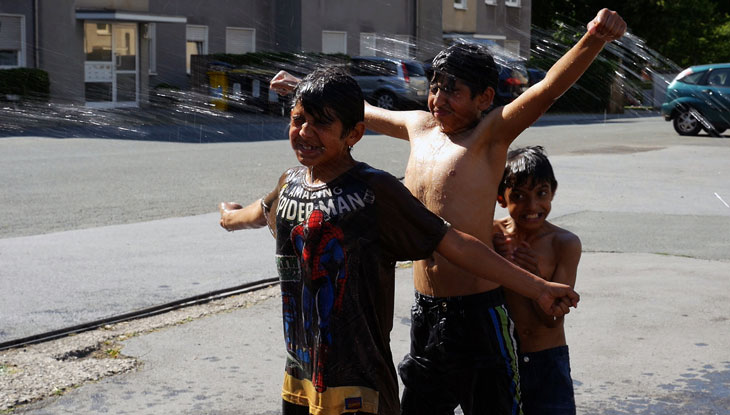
{"points": [[688, 32]]}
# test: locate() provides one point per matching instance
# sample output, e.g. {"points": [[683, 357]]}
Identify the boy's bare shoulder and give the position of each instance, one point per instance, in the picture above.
{"points": [[565, 241], [421, 121]]}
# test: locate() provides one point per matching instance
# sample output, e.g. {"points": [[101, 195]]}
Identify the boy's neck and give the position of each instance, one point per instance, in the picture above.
{"points": [[317, 175], [462, 131]]}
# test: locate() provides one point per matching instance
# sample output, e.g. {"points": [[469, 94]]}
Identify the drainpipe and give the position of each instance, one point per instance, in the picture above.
{"points": [[415, 28], [36, 42]]}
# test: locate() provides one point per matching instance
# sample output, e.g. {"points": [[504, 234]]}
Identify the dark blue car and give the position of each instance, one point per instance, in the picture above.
{"points": [[699, 99]]}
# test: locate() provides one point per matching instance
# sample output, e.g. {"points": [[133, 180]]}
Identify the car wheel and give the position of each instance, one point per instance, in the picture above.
{"points": [[685, 122], [386, 100]]}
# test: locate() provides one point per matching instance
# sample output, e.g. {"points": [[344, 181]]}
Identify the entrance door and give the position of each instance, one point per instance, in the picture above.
{"points": [[111, 69]]}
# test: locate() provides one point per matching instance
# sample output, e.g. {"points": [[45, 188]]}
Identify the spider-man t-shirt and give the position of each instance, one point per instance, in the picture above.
{"points": [[336, 247]]}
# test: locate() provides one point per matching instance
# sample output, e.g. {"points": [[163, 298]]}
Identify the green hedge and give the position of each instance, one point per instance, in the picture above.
{"points": [[28, 83]]}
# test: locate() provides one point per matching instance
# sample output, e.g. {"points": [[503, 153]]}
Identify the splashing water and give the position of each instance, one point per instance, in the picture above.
{"points": [[629, 75]]}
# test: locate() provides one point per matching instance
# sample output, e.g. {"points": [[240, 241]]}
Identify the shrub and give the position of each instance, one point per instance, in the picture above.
{"points": [[28, 83]]}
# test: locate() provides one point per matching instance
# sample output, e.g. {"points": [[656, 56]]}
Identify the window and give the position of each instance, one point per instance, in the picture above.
{"points": [[460, 4], [240, 40], [512, 3], [367, 44], [334, 42], [689, 77], [490, 2], [12, 41], [197, 43], [719, 77]]}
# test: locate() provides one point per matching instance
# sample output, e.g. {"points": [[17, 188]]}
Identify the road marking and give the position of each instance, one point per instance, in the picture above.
{"points": [[723, 202]]}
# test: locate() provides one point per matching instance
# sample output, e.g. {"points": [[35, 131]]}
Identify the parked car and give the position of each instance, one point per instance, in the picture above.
{"points": [[513, 81], [390, 83], [699, 99]]}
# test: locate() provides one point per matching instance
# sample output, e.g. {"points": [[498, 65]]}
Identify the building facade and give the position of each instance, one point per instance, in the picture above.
{"points": [[503, 24], [110, 53]]}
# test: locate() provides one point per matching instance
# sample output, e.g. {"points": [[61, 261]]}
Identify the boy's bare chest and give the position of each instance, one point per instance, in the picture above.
{"points": [[440, 168]]}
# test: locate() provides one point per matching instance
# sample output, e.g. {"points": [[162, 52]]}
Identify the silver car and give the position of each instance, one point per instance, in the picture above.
{"points": [[390, 83]]}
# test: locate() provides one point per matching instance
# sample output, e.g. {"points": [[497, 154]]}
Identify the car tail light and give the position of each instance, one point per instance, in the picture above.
{"points": [[513, 82], [405, 73]]}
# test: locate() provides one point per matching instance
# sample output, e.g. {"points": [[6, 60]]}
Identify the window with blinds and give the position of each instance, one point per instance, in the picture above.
{"points": [[240, 40], [196, 43], [334, 42], [12, 41]]}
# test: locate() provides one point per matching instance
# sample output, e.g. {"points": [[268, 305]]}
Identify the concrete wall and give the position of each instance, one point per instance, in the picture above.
{"points": [[287, 25], [460, 20], [25, 8], [216, 15], [126, 5], [395, 17], [61, 52], [429, 29], [513, 23]]}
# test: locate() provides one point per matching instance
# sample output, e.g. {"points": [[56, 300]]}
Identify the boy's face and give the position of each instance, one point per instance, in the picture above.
{"points": [[320, 143], [451, 103], [528, 204]]}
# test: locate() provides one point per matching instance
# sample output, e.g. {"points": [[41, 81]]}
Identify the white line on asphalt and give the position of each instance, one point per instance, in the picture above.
{"points": [[723, 202]]}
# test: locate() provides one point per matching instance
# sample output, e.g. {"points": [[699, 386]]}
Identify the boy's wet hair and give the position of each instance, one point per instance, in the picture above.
{"points": [[472, 63], [329, 93], [527, 165]]}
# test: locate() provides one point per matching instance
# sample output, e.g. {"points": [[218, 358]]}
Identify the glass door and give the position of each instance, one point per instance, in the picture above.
{"points": [[125, 63], [111, 75]]}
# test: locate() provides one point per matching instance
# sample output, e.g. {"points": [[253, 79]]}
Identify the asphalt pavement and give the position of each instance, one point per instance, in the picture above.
{"points": [[650, 335]]}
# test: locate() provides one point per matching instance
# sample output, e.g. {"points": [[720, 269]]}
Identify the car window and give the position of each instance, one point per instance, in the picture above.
{"points": [[365, 67], [362, 68], [387, 68], [719, 77], [415, 69], [693, 78]]}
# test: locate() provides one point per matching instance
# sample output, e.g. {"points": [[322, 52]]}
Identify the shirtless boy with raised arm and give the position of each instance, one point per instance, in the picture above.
{"points": [[462, 349]]}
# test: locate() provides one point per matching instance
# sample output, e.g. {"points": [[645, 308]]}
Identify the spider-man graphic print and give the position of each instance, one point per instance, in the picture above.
{"points": [[319, 246]]}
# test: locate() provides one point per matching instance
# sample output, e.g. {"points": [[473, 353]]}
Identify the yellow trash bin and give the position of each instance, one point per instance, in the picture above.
{"points": [[218, 89]]}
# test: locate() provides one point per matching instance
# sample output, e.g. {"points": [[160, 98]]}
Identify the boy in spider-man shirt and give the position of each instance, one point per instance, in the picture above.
{"points": [[340, 226]]}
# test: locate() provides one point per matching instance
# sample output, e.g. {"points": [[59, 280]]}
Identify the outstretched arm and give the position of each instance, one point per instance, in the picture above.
{"points": [[392, 123], [234, 217], [509, 121], [463, 250], [283, 83], [398, 124]]}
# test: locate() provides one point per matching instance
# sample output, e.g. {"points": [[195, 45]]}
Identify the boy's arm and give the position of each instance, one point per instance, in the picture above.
{"points": [[567, 250], [474, 256], [382, 121], [234, 217], [509, 121], [393, 123], [249, 217]]}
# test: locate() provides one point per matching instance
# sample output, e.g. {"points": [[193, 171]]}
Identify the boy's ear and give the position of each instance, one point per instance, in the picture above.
{"points": [[501, 201], [355, 134], [486, 98]]}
